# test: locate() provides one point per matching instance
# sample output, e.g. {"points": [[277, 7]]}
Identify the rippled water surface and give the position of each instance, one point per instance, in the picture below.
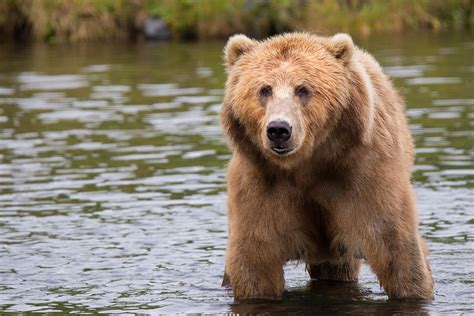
{"points": [[112, 179]]}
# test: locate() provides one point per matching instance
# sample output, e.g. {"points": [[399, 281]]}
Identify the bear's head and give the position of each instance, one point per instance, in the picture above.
{"points": [[286, 95]]}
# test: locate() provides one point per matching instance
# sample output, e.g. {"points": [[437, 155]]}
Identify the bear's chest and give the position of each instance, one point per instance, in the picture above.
{"points": [[314, 236]]}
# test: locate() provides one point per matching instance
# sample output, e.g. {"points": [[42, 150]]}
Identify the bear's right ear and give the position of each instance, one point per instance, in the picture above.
{"points": [[340, 46], [236, 46]]}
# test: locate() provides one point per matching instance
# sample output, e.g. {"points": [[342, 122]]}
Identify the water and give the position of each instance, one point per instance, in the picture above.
{"points": [[112, 179]]}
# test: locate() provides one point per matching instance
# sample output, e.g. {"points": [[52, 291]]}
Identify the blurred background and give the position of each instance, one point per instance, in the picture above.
{"points": [[88, 20], [112, 161]]}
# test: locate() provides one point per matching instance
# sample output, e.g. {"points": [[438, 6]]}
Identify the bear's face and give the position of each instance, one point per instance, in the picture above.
{"points": [[285, 95]]}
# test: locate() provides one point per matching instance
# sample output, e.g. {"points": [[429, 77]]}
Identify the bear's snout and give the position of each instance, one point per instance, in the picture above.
{"points": [[279, 132]]}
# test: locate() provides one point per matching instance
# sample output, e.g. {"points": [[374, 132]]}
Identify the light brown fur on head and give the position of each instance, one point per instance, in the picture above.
{"points": [[333, 185], [284, 63]]}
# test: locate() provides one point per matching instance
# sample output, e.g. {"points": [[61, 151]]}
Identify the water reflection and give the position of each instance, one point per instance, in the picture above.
{"points": [[112, 179], [324, 297]]}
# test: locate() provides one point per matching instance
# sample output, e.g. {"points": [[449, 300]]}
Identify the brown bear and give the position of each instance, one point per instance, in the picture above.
{"points": [[321, 168]]}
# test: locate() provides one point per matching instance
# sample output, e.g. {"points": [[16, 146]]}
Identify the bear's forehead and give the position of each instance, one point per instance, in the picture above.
{"points": [[287, 60], [283, 54], [296, 46], [284, 62]]}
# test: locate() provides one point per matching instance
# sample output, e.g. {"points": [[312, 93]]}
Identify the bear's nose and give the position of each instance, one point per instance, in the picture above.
{"points": [[278, 131]]}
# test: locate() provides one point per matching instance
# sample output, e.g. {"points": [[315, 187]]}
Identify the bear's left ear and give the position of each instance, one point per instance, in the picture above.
{"points": [[341, 46], [236, 46]]}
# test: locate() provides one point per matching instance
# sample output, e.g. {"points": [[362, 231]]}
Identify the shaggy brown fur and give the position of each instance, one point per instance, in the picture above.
{"points": [[343, 193]]}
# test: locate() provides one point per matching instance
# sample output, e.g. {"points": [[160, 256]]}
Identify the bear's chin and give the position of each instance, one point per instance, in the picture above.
{"points": [[282, 152], [279, 152], [286, 160]]}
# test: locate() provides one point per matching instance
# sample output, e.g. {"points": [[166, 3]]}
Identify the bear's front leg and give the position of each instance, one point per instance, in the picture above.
{"points": [[401, 267], [254, 269], [393, 248]]}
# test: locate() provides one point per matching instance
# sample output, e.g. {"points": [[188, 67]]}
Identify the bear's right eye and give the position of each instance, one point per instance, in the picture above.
{"points": [[302, 91], [265, 91]]}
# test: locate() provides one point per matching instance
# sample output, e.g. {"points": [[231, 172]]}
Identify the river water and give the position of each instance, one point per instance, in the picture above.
{"points": [[112, 179]]}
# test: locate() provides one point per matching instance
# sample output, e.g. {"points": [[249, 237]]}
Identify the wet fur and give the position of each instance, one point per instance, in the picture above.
{"points": [[344, 195]]}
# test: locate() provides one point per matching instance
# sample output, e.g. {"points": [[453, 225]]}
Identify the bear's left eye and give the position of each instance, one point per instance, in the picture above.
{"points": [[265, 91], [302, 91]]}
